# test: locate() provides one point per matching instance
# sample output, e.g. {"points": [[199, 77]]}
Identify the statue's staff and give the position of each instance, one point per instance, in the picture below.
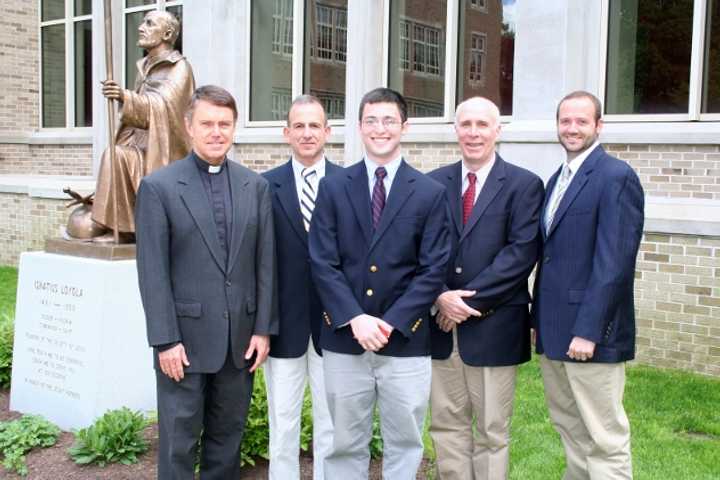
{"points": [[111, 118]]}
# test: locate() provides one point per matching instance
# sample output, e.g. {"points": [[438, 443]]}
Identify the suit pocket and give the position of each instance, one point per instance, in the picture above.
{"points": [[183, 309], [251, 307], [576, 296]]}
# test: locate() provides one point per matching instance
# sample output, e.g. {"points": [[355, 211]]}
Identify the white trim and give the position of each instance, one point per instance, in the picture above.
{"points": [[452, 42], [297, 63], [386, 43], [696, 60], [46, 186]]}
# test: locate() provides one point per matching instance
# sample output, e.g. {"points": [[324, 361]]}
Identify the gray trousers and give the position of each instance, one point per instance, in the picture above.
{"points": [[401, 388], [215, 404]]}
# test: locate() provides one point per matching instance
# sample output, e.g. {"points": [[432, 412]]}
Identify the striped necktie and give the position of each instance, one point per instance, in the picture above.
{"points": [[378, 196], [558, 193], [307, 197]]}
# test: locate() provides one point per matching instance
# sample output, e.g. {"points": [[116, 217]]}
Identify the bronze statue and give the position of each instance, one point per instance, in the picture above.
{"points": [[152, 130]]}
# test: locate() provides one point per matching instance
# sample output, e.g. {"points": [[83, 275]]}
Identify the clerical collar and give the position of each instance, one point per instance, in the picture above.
{"points": [[206, 167]]}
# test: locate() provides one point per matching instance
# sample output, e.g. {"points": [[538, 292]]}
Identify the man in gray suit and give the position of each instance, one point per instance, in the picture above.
{"points": [[205, 259]]}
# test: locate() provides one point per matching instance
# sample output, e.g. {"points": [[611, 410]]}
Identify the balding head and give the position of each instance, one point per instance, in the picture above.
{"points": [[170, 24], [477, 124]]}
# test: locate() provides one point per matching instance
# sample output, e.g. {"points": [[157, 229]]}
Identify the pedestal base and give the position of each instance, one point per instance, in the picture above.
{"points": [[80, 341]]}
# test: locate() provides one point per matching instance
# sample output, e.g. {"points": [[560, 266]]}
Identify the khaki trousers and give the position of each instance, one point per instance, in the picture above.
{"points": [[585, 403], [458, 393]]}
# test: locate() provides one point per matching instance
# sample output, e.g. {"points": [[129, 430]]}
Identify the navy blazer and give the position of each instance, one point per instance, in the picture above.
{"points": [[188, 292], [584, 282], [492, 254], [299, 307], [394, 273]]}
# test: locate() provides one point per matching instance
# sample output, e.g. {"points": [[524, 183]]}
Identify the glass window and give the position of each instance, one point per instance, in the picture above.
{"points": [[648, 59], [711, 77], [271, 56], [325, 54], [53, 75], [417, 54], [59, 66], [271, 47], [53, 10], [83, 73], [138, 3], [486, 52]]}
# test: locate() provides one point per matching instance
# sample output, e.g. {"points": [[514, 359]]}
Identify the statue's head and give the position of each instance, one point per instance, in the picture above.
{"points": [[158, 27]]}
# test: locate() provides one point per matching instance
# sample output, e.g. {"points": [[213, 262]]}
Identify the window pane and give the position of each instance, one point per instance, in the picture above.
{"points": [[648, 66], [133, 53], [53, 76], [83, 7], [271, 48], [178, 12], [417, 54], [138, 3], [53, 10], [325, 54], [711, 80], [486, 53], [83, 74]]}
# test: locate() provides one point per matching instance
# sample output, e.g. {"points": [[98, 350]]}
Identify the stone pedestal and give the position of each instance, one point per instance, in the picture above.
{"points": [[80, 343]]}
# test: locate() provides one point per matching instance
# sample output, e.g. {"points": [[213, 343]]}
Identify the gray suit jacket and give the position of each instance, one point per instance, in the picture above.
{"points": [[188, 294]]}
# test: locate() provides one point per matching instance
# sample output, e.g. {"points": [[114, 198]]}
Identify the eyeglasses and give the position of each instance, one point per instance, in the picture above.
{"points": [[387, 122]]}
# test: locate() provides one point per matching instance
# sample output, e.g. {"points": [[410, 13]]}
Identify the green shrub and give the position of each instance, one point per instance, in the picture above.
{"points": [[117, 436], [256, 435], [19, 436], [6, 348]]}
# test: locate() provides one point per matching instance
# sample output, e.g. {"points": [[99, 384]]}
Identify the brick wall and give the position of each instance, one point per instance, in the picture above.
{"points": [[19, 101], [677, 299], [25, 223], [24, 159], [679, 171]]}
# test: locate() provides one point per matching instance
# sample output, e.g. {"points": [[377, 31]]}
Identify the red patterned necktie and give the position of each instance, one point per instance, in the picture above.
{"points": [[469, 197], [378, 196]]}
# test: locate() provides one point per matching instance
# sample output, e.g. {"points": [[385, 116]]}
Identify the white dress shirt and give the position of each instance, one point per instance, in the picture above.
{"points": [[481, 175], [298, 167], [390, 167]]}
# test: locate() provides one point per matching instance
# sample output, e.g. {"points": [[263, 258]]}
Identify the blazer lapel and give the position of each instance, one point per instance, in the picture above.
{"points": [[400, 190], [576, 185], [192, 193], [493, 184], [287, 194], [454, 192], [548, 192], [240, 193], [359, 195]]}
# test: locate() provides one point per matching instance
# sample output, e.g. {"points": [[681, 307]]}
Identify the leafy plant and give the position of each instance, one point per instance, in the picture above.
{"points": [[117, 436], [18, 437], [6, 348]]}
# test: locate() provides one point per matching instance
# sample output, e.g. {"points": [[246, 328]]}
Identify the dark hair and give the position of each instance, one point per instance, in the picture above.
{"points": [[214, 95], [581, 94], [305, 100], [384, 95]]}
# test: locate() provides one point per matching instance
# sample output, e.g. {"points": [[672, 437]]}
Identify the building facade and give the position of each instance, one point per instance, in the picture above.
{"points": [[654, 63]]}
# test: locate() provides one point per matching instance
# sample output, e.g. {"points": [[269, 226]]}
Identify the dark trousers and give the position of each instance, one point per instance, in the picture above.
{"points": [[213, 405]]}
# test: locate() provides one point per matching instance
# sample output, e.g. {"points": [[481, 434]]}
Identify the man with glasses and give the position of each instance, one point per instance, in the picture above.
{"points": [[379, 247]]}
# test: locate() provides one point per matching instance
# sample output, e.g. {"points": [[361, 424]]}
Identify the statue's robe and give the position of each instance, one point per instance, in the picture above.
{"points": [[151, 134]]}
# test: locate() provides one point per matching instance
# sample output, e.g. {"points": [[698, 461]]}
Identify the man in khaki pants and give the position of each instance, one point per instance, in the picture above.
{"points": [[482, 328], [583, 311]]}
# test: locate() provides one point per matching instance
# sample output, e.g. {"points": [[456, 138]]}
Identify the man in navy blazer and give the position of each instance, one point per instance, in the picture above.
{"points": [[583, 311], [482, 327], [379, 248], [295, 350]]}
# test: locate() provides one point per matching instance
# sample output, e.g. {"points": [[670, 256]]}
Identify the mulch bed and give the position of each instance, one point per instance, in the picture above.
{"points": [[54, 463]]}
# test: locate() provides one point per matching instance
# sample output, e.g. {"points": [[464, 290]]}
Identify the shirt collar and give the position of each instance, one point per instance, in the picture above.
{"points": [[481, 172], [298, 167], [391, 167], [204, 166], [577, 162]]}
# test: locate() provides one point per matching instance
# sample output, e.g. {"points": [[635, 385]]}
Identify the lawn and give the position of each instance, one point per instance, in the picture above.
{"points": [[674, 418]]}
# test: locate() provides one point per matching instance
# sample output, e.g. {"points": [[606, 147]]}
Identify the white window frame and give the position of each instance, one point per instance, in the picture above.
{"points": [[296, 59], [480, 53], [161, 5], [479, 5], [69, 21], [696, 72]]}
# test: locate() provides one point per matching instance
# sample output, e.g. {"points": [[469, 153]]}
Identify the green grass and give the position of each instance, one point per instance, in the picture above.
{"points": [[8, 288], [674, 422]]}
